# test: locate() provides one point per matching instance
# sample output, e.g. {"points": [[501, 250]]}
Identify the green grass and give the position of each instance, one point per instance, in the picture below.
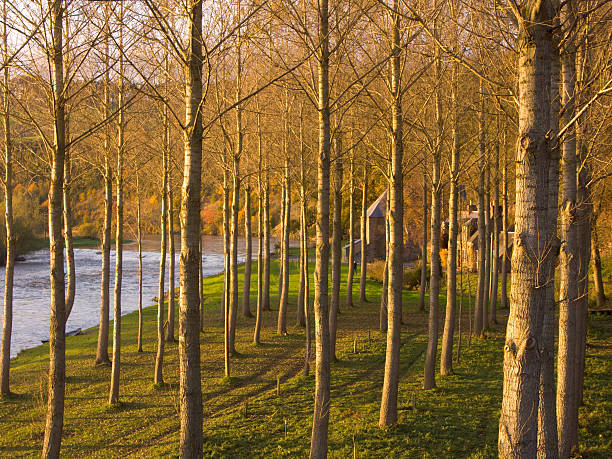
{"points": [[243, 417], [78, 242]]}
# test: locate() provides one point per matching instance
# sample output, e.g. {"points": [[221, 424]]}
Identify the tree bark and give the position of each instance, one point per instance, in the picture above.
{"points": [[57, 327], [301, 315], [503, 292], [190, 392], [172, 250], [113, 396], [479, 323], [446, 357], [487, 265], [423, 285], [395, 212], [495, 241], [364, 246], [68, 245], [102, 348], [336, 249], [351, 254], [518, 422], [600, 296], [429, 381], [139, 243], [284, 274], [248, 259], [266, 216], [320, 420], [260, 241], [7, 326]]}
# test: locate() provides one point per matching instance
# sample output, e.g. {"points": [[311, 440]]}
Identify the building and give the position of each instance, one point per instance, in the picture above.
{"points": [[375, 232]]}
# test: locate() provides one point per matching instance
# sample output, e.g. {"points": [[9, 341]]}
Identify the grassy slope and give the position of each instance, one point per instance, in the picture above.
{"points": [[244, 417]]}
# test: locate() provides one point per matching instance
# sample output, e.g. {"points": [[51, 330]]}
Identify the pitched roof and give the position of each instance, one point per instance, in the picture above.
{"points": [[378, 209]]}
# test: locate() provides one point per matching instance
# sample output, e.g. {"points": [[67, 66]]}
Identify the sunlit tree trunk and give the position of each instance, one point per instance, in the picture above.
{"points": [[479, 324], [423, 286], [336, 248], [429, 380], [383, 320], [266, 220], [503, 292], [281, 328], [113, 396], [446, 356], [190, 392], [67, 214], [518, 421], [600, 296], [248, 259], [363, 264], [57, 329], [260, 246], [395, 212], [487, 251], [139, 243], [351, 253], [320, 421], [171, 254], [102, 348], [301, 317], [495, 241], [7, 326]]}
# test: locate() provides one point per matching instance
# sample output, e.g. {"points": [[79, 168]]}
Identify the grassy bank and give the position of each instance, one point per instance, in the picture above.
{"points": [[243, 417]]}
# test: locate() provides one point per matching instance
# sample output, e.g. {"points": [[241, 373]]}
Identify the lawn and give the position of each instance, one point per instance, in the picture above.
{"points": [[244, 417]]}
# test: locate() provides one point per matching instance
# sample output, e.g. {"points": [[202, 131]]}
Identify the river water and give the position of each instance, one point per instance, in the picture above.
{"points": [[32, 293]]}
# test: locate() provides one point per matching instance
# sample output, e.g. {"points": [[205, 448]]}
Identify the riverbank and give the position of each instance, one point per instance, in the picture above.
{"points": [[243, 414]]}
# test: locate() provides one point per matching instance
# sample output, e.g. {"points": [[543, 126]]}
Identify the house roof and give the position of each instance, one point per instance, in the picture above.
{"points": [[378, 209]]}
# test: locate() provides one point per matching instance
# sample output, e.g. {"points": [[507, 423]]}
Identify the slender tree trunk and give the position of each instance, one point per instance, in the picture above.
{"points": [[364, 246], [547, 415], [57, 329], [233, 261], [260, 247], [7, 326], [351, 253], [423, 285], [383, 320], [487, 264], [201, 278], [284, 283], [226, 271], [320, 421], [446, 359], [139, 242], [518, 420], [336, 249], [429, 381], [567, 422], [395, 212], [281, 255], [102, 348], [600, 296], [495, 241], [68, 245], [301, 316], [479, 323], [113, 396], [172, 250], [504, 267], [266, 219], [190, 392], [248, 235]]}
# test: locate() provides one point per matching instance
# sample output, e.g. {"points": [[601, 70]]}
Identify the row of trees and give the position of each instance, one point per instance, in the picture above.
{"points": [[278, 96]]}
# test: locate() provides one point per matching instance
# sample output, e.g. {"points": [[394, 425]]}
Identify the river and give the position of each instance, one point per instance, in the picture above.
{"points": [[32, 293]]}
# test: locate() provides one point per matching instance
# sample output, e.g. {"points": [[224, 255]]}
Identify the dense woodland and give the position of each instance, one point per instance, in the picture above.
{"points": [[281, 122]]}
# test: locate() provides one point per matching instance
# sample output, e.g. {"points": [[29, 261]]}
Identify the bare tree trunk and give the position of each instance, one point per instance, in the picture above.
{"points": [[57, 329], [68, 245], [266, 216], [351, 253], [233, 260], [172, 250], [113, 396], [159, 358], [281, 255], [504, 268], [383, 320], [446, 357], [102, 348], [487, 265], [139, 242], [429, 381], [336, 249], [423, 285], [301, 316], [600, 296], [567, 421], [395, 212], [547, 414], [307, 316], [190, 393], [201, 278], [284, 284], [364, 246], [226, 271], [248, 235], [260, 246], [479, 324], [7, 326], [320, 420], [495, 241], [518, 421]]}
